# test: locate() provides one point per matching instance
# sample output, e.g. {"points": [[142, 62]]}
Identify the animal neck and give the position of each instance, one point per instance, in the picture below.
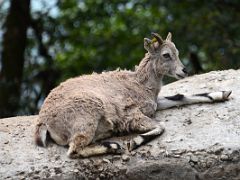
{"points": [[147, 75]]}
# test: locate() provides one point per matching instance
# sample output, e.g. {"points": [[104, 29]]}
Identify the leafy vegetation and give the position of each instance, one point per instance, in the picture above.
{"points": [[70, 38]]}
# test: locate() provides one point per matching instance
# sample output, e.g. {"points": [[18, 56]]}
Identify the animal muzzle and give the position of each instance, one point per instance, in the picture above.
{"points": [[182, 73]]}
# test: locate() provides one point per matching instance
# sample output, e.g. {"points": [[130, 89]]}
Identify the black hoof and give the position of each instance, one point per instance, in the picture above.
{"points": [[113, 147]]}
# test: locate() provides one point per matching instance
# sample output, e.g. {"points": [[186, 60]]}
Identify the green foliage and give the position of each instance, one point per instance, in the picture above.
{"points": [[96, 35], [102, 35]]}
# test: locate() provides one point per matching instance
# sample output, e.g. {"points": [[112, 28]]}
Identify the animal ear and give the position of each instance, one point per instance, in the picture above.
{"points": [[169, 37], [148, 45]]}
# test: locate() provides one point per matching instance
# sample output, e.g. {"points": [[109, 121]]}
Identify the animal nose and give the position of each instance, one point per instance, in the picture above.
{"points": [[185, 70]]}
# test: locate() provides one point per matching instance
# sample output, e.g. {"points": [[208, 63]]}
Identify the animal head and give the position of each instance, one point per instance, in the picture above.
{"points": [[165, 56]]}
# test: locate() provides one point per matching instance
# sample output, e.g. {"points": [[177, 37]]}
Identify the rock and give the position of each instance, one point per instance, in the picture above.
{"points": [[218, 151], [225, 157], [176, 155], [106, 160], [125, 157], [57, 170], [187, 122], [116, 157], [204, 165], [194, 159], [199, 142], [102, 176], [133, 153], [76, 170]]}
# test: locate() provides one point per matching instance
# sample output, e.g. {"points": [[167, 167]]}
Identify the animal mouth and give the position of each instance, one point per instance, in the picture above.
{"points": [[180, 76]]}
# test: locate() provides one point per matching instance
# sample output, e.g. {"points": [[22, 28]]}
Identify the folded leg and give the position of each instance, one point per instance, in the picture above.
{"points": [[96, 149], [149, 130]]}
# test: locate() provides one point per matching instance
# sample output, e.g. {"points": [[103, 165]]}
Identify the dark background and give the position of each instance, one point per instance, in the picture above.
{"points": [[45, 42]]}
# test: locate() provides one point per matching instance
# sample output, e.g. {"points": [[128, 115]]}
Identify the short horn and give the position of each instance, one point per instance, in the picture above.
{"points": [[158, 37]]}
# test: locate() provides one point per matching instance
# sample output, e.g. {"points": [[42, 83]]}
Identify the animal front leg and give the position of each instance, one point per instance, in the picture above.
{"points": [[180, 99], [150, 128], [144, 138]]}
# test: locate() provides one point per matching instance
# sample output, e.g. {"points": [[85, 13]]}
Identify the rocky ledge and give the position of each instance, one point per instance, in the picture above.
{"points": [[200, 142]]}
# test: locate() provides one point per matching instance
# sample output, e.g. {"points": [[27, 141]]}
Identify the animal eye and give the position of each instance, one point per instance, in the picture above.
{"points": [[166, 55]]}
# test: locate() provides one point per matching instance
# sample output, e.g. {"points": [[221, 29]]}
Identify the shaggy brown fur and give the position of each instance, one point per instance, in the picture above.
{"points": [[88, 108]]}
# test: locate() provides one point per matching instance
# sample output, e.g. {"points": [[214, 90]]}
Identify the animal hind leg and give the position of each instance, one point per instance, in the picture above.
{"points": [[180, 99], [81, 144], [96, 149]]}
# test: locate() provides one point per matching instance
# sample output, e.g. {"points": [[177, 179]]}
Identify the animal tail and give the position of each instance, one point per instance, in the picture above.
{"points": [[41, 135]]}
